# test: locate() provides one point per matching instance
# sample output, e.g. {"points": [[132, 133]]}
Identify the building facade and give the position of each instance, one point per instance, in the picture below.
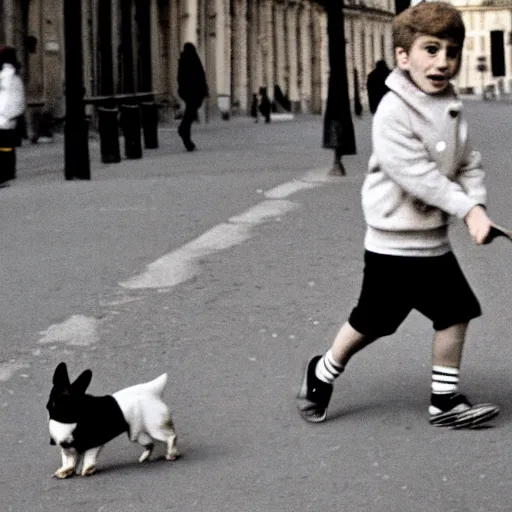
{"points": [[134, 45], [489, 44]]}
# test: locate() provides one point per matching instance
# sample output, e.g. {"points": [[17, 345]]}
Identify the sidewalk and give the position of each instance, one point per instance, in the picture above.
{"points": [[239, 144]]}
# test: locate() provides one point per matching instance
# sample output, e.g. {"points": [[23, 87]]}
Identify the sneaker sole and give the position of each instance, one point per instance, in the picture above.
{"points": [[306, 414], [467, 419]]}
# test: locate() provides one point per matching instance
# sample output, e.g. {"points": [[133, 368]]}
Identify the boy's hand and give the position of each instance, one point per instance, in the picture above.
{"points": [[479, 224]]}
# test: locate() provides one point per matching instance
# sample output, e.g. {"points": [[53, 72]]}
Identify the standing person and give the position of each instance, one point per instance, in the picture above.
{"points": [[254, 107], [376, 84], [423, 170], [265, 106], [12, 105], [192, 88]]}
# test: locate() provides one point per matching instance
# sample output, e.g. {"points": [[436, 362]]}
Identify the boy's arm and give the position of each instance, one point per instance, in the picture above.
{"points": [[404, 158], [471, 176]]}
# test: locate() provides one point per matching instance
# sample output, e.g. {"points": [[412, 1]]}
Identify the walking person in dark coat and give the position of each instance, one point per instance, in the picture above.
{"points": [[12, 105], [376, 86], [265, 106], [192, 88]]}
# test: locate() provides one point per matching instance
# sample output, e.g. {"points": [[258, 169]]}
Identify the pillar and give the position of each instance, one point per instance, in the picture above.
{"points": [[239, 54], [280, 46], [305, 69], [267, 46], [189, 18], [293, 64]]}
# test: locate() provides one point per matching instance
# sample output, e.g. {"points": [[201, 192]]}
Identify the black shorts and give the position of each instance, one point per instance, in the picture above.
{"points": [[394, 285]]}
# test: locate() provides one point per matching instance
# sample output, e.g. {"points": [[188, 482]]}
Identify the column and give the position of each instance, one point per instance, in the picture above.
{"points": [[175, 46], [52, 43], [305, 38], [189, 18], [116, 42], [324, 58], [280, 46], [211, 57], [267, 46], [254, 53], [157, 57], [8, 18], [293, 64], [239, 54], [35, 67], [316, 62]]}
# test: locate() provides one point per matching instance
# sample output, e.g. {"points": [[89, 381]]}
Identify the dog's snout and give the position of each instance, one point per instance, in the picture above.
{"points": [[65, 444]]}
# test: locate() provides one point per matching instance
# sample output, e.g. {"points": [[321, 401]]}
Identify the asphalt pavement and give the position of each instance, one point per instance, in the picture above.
{"points": [[236, 328]]}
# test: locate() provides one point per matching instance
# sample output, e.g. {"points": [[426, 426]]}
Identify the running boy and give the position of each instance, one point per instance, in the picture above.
{"points": [[422, 171]]}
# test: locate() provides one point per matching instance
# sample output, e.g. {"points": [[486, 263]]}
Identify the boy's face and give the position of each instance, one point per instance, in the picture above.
{"points": [[431, 62]]}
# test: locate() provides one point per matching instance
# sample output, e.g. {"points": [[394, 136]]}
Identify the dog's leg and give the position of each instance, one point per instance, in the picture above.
{"points": [[90, 458], [69, 462], [145, 440], [172, 451], [167, 434]]}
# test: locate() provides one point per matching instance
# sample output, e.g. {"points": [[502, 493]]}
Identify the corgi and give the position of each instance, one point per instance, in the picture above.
{"points": [[81, 424]]}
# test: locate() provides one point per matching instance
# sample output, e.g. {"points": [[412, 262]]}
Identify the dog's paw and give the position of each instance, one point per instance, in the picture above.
{"points": [[145, 456], [173, 454], [64, 473], [89, 470]]}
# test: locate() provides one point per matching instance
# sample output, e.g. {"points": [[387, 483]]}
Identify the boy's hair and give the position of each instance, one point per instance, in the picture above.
{"points": [[430, 19]]}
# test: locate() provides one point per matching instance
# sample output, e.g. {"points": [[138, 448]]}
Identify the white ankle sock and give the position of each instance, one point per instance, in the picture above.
{"points": [[327, 368], [445, 380]]}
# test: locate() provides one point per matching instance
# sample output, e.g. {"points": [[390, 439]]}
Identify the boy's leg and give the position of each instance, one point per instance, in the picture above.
{"points": [[321, 371], [448, 344], [449, 408], [381, 308]]}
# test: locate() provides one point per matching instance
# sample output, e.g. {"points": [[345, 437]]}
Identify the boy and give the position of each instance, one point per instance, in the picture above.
{"points": [[423, 170]]}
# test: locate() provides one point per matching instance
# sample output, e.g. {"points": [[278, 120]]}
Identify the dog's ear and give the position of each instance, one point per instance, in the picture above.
{"points": [[60, 376], [82, 382]]}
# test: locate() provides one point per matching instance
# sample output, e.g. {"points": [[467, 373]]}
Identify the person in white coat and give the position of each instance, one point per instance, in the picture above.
{"points": [[12, 105]]}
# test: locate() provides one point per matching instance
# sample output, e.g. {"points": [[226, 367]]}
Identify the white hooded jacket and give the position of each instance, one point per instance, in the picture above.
{"points": [[422, 170], [12, 97]]}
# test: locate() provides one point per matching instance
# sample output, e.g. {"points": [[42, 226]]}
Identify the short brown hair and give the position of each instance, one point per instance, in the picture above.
{"points": [[431, 19]]}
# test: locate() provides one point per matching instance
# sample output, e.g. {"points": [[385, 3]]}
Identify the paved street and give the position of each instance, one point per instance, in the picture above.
{"points": [[228, 268]]}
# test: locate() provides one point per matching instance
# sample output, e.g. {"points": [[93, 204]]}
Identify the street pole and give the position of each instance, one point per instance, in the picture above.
{"points": [[76, 144], [338, 127]]}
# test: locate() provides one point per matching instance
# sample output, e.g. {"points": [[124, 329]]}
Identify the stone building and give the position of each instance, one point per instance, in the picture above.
{"points": [[133, 46], [488, 41]]}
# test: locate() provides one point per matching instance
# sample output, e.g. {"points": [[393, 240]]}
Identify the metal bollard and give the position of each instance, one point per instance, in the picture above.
{"points": [[8, 140], [149, 111], [131, 127], [108, 126]]}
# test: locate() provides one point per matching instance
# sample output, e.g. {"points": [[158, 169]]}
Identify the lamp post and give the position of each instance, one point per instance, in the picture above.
{"points": [[76, 145], [338, 127]]}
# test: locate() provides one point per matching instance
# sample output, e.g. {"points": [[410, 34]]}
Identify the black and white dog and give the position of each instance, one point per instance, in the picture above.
{"points": [[80, 424]]}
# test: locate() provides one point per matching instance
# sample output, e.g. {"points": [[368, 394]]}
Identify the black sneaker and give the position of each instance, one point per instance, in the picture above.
{"points": [[457, 412], [314, 395]]}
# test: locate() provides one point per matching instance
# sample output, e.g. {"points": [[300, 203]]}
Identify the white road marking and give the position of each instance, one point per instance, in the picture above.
{"points": [[78, 330], [182, 264], [7, 370]]}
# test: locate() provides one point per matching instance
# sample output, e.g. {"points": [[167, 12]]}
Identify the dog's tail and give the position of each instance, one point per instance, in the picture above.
{"points": [[157, 386]]}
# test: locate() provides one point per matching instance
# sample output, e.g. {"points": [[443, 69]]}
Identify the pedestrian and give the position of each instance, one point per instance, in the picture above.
{"points": [[193, 89], [376, 84], [254, 107], [12, 105], [358, 108], [265, 106], [422, 171]]}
